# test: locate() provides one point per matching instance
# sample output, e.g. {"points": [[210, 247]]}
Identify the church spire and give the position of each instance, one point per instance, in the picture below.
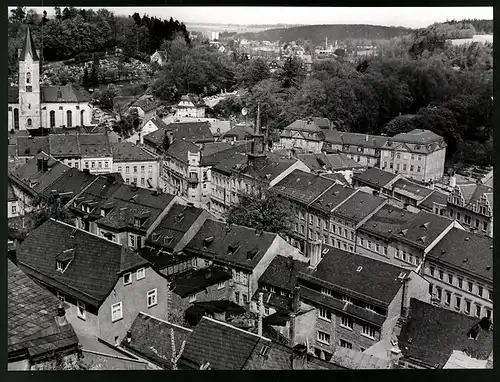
{"points": [[28, 47]]}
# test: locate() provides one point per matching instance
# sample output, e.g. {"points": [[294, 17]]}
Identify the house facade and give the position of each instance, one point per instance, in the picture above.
{"points": [[136, 165], [302, 135], [103, 285], [190, 106]]}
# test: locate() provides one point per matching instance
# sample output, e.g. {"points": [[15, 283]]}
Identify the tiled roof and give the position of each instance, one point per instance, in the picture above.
{"points": [[435, 197], [79, 145], [196, 101], [49, 94], [387, 221], [160, 258], [302, 186], [64, 145], [11, 197], [359, 206], [30, 146], [423, 229], [32, 314], [230, 164], [355, 360], [417, 136], [199, 309], [217, 152], [470, 252], [192, 131], [194, 281], [94, 145], [355, 139], [72, 181], [158, 122], [375, 177], [179, 149], [42, 179], [443, 331], [473, 192], [332, 198], [146, 104], [240, 132], [359, 274], [304, 125], [234, 246], [94, 269], [410, 189], [174, 226], [151, 339], [223, 345], [129, 152], [282, 273]]}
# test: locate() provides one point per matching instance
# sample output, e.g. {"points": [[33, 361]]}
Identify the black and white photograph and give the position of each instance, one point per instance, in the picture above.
{"points": [[249, 188]]}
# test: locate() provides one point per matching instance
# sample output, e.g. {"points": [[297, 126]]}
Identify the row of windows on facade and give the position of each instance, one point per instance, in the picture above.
{"points": [[468, 220], [398, 167], [319, 222], [143, 181], [326, 239], [52, 117], [135, 169], [437, 293], [348, 299], [457, 200], [367, 331], [460, 283]]}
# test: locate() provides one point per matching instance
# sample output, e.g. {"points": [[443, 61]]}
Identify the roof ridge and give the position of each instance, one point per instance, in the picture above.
{"points": [[234, 327], [166, 322], [87, 232]]}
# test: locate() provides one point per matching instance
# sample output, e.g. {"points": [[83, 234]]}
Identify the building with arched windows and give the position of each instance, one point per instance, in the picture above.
{"points": [[32, 106]]}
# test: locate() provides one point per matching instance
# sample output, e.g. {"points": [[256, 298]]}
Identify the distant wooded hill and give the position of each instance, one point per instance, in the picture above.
{"points": [[317, 33], [481, 26]]}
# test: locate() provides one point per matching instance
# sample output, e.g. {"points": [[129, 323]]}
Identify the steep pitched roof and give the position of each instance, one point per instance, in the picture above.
{"points": [[443, 331], [332, 198], [151, 338], [240, 132], [11, 197], [32, 311], [30, 146], [417, 136], [179, 149], [72, 181], [28, 47], [129, 152], [387, 221], [95, 266], [411, 189], [239, 245], [473, 192], [66, 93], [94, 145], [375, 177], [194, 281], [283, 272], [304, 125], [302, 186], [213, 153], [146, 104], [422, 229], [223, 345], [358, 275], [332, 162], [359, 206], [470, 252], [355, 139], [435, 197], [192, 131]]}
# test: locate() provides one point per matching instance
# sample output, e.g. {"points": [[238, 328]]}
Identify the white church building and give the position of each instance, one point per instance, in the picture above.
{"points": [[32, 106]]}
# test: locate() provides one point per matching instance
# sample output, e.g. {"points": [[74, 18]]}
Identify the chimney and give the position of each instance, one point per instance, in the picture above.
{"points": [[61, 316], [366, 138], [260, 309], [293, 315], [129, 336], [299, 357], [86, 171], [404, 303], [39, 164], [110, 178], [453, 181], [208, 274], [141, 138]]}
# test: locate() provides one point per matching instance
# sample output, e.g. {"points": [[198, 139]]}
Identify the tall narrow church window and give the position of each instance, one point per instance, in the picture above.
{"points": [[68, 117], [59, 93], [29, 106], [52, 118], [29, 121], [28, 77], [16, 119], [82, 113]]}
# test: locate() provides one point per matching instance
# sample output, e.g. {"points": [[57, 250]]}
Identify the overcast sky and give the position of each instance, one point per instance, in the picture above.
{"points": [[403, 16]]}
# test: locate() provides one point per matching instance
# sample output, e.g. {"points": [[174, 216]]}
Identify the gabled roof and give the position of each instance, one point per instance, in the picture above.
{"points": [[30, 146], [129, 152], [282, 273], [435, 197], [355, 139], [194, 99], [94, 270], [41, 180], [233, 246], [417, 136], [32, 312], [222, 345], [146, 104], [375, 177], [192, 131], [473, 192], [151, 338], [174, 226], [179, 149], [94, 145], [72, 181], [443, 331], [387, 221], [11, 197], [422, 229], [359, 206], [302, 186], [470, 252], [304, 125], [331, 162], [194, 281], [240, 132], [375, 279], [66, 93], [411, 190], [214, 153], [28, 47], [329, 200], [158, 122]]}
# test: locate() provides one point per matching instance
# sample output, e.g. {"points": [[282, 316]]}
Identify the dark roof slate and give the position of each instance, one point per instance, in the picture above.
{"points": [[375, 177], [129, 152], [443, 331], [29, 47], [332, 198], [302, 186], [31, 317], [387, 221], [194, 281], [282, 273], [30, 146], [359, 206], [95, 267]]}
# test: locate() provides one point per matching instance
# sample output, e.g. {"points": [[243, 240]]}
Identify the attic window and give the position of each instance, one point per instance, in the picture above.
{"points": [[404, 232], [61, 266], [155, 236], [231, 249], [207, 241], [425, 225], [325, 251], [264, 351], [73, 232], [422, 239], [402, 275], [167, 239], [359, 269], [251, 254]]}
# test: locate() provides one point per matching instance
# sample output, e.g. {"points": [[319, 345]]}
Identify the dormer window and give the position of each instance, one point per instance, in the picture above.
{"points": [[103, 212], [64, 259]]}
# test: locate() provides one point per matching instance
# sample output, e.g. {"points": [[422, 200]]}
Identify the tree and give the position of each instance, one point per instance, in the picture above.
{"points": [[264, 211], [94, 73], [166, 143], [44, 18], [86, 83], [18, 15]]}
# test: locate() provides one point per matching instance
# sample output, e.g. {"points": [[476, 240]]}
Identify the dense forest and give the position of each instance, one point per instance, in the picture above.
{"points": [[317, 33], [444, 88], [72, 32], [480, 26]]}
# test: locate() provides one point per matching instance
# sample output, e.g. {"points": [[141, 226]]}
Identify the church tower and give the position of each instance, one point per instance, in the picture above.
{"points": [[29, 84]]}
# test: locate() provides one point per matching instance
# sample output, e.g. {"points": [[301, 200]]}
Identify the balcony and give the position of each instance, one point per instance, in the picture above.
{"points": [[192, 178]]}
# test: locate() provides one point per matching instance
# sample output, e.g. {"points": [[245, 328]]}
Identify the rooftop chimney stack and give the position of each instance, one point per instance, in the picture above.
{"points": [[453, 181], [61, 316], [293, 315], [299, 357], [261, 313], [129, 336]]}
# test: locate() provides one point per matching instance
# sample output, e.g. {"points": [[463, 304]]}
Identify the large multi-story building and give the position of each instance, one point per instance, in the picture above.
{"points": [[302, 135], [460, 272], [32, 106], [471, 204]]}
